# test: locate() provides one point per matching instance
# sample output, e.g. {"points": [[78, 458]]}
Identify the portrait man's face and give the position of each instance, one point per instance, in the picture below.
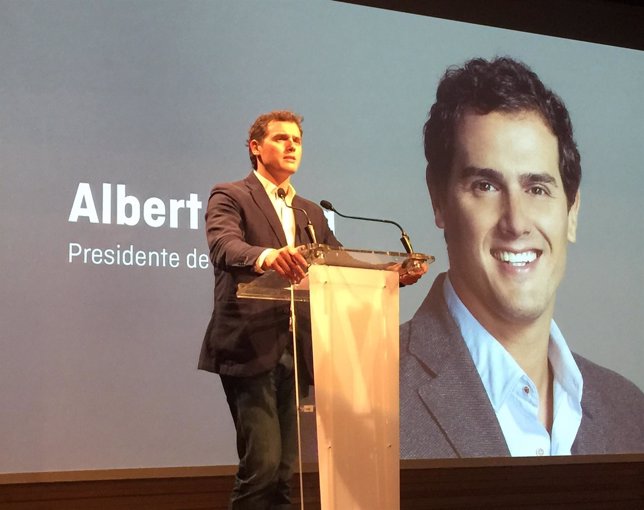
{"points": [[506, 218], [280, 151]]}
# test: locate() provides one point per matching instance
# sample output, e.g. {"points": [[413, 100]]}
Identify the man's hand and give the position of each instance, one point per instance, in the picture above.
{"points": [[410, 274], [287, 262]]}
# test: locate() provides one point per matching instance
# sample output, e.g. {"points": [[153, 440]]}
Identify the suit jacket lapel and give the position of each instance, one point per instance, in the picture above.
{"points": [[453, 392], [591, 436], [265, 207], [301, 237]]}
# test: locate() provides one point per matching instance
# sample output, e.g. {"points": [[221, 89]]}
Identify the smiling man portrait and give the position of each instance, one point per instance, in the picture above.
{"points": [[485, 371]]}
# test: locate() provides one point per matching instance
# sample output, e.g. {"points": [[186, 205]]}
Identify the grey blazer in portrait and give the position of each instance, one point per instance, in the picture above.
{"points": [[445, 411]]}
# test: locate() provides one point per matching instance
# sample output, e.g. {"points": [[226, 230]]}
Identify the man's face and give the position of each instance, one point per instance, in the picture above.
{"points": [[506, 218], [280, 152]]}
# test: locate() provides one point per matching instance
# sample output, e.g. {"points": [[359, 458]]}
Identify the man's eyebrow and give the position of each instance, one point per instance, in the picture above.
{"points": [[538, 178], [487, 173], [496, 176], [284, 134]]}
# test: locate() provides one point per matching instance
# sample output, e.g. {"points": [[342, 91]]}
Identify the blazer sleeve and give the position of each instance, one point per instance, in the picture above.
{"points": [[225, 219]]}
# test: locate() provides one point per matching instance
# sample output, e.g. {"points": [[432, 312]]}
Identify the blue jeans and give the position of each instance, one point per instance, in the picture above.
{"points": [[263, 409]]}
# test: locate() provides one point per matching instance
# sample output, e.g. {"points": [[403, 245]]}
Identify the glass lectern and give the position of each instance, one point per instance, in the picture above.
{"points": [[353, 297]]}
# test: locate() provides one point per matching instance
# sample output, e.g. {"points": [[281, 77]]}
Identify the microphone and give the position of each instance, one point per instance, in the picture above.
{"points": [[309, 226], [406, 242]]}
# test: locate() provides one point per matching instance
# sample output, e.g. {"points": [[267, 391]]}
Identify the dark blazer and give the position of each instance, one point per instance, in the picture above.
{"points": [[445, 411], [247, 337]]}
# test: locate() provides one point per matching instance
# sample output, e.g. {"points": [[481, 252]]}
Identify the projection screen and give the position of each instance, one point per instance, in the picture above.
{"points": [[118, 116]]}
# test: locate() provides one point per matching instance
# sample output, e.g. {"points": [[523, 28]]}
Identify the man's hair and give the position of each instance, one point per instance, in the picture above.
{"points": [[501, 85], [258, 130]]}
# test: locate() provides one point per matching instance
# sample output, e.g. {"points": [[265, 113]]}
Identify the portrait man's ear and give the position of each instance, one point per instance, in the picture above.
{"points": [[439, 220], [573, 214]]}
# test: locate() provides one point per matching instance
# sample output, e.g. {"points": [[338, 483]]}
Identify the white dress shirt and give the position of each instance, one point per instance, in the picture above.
{"points": [[286, 215], [512, 393]]}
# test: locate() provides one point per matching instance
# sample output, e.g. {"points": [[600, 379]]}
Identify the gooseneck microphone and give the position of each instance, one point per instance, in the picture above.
{"points": [[406, 242], [309, 226]]}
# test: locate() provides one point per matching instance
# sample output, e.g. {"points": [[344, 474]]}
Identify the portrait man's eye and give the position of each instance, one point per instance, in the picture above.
{"points": [[484, 186], [540, 191]]}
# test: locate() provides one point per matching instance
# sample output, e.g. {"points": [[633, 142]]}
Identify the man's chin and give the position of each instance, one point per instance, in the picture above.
{"points": [[520, 308]]}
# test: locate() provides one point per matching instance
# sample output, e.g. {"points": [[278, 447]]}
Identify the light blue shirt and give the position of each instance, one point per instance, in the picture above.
{"points": [[512, 393]]}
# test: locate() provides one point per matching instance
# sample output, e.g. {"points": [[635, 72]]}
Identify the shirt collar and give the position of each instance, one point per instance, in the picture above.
{"points": [[498, 370], [271, 189], [563, 364]]}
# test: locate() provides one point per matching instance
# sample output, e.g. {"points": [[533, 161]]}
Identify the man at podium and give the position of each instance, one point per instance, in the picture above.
{"points": [[255, 225], [485, 371]]}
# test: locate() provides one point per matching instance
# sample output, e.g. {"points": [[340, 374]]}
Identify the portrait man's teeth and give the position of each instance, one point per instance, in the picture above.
{"points": [[516, 259]]}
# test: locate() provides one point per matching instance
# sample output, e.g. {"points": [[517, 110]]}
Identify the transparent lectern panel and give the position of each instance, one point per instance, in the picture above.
{"points": [[272, 286]]}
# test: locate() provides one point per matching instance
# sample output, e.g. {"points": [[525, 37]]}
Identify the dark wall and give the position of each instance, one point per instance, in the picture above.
{"points": [[613, 22], [603, 485]]}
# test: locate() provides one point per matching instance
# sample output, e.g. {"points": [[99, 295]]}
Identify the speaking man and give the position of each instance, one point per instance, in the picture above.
{"points": [[251, 230], [255, 225]]}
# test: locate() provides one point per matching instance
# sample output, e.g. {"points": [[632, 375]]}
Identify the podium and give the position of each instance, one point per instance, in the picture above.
{"points": [[354, 306]]}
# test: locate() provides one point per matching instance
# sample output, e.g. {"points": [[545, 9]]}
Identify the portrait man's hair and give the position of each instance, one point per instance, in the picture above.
{"points": [[259, 128], [500, 85]]}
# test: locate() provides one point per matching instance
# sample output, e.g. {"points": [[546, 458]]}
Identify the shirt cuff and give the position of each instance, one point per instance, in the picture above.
{"points": [[260, 260]]}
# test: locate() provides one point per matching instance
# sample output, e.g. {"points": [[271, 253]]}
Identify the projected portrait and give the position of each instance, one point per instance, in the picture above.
{"points": [[485, 370]]}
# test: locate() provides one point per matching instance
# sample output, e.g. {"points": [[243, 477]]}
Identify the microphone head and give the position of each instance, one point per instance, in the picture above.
{"points": [[327, 205], [281, 193]]}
